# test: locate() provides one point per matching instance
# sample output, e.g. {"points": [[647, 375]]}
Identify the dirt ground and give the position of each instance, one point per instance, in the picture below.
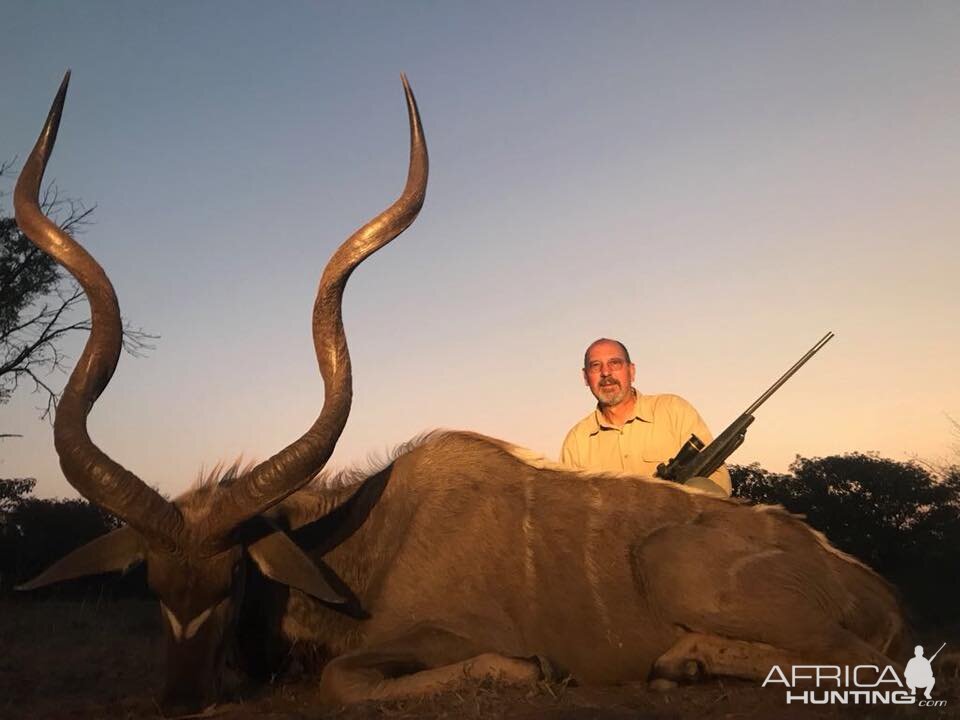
{"points": [[63, 660]]}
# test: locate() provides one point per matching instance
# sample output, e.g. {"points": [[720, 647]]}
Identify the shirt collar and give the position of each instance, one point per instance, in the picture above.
{"points": [[642, 410]]}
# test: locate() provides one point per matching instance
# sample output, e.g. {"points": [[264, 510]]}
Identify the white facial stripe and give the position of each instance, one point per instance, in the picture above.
{"points": [[195, 624], [174, 623], [179, 634]]}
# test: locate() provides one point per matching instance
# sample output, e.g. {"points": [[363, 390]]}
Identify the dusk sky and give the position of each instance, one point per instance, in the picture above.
{"points": [[716, 184]]}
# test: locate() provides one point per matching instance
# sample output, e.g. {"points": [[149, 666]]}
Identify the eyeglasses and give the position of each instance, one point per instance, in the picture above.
{"points": [[613, 365]]}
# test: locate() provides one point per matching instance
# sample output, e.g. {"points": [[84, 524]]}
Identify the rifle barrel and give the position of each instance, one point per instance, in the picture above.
{"points": [[786, 376]]}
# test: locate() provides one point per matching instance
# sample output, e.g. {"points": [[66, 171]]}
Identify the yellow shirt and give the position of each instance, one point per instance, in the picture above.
{"points": [[661, 424]]}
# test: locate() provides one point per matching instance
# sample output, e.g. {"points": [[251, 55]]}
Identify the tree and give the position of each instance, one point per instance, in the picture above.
{"points": [[35, 533], [900, 518], [50, 529], [38, 304], [13, 492], [752, 482], [870, 504]]}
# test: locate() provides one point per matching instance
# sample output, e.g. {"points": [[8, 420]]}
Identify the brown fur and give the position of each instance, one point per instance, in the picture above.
{"points": [[600, 575]]}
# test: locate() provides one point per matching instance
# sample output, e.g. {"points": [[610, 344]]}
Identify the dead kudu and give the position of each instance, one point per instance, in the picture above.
{"points": [[462, 558]]}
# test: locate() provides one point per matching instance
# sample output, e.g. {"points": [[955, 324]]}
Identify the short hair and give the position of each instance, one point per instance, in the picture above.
{"points": [[586, 353]]}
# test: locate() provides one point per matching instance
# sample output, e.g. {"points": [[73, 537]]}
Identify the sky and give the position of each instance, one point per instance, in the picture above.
{"points": [[715, 184]]}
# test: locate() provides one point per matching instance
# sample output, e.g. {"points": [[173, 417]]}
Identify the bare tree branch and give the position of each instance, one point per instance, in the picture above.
{"points": [[38, 302]]}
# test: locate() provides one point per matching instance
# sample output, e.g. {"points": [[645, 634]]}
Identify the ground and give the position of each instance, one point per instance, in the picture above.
{"points": [[72, 660]]}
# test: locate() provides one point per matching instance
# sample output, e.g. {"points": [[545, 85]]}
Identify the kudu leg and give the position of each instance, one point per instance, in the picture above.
{"points": [[422, 663], [698, 655], [789, 603]]}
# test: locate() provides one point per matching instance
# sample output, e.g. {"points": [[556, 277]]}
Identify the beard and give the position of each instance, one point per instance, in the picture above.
{"points": [[611, 393]]}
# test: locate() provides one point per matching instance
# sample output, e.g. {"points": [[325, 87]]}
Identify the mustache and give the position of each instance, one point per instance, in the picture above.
{"points": [[609, 382]]}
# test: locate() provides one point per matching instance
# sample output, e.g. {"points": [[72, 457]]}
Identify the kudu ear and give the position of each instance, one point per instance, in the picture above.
{"points": [[326, 533], [279, 558], [116, 551]]}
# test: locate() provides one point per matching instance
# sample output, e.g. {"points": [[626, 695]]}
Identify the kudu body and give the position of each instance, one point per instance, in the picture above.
{"points": [[476, 550], [463, 557]]}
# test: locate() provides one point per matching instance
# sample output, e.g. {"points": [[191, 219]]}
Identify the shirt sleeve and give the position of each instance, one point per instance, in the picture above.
{"points": [[569, 453]]}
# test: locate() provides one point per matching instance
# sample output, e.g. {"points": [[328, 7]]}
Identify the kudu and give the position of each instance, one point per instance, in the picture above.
{"points": [[463, 557]]}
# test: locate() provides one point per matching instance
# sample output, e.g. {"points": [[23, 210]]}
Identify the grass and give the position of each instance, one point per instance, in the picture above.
{"points": [[102, 659]]}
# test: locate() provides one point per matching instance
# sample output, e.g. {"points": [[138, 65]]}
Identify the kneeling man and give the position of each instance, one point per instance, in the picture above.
{"points": [[628, 431]]}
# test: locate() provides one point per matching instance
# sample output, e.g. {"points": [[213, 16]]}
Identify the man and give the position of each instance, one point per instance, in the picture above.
{"points": [[628, 431]]}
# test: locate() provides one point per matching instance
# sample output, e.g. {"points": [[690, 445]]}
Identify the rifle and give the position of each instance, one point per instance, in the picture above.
{"points": [[695, 460], [936, 653]]}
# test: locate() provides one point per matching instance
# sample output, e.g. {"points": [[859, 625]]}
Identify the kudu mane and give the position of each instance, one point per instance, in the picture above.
{"points": [[202, 494]]}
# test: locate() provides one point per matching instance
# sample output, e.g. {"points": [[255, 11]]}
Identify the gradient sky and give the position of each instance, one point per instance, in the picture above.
{"points": [[717, 184]]}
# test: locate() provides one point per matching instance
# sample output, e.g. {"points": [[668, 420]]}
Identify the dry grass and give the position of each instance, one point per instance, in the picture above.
{"points": [[102, 660]]}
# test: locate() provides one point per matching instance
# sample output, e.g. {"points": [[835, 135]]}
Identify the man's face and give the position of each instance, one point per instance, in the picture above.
{"points": [[608, 374]]}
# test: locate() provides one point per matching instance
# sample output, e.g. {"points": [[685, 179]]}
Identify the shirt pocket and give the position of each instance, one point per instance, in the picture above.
{"points": [[660, 444]]}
